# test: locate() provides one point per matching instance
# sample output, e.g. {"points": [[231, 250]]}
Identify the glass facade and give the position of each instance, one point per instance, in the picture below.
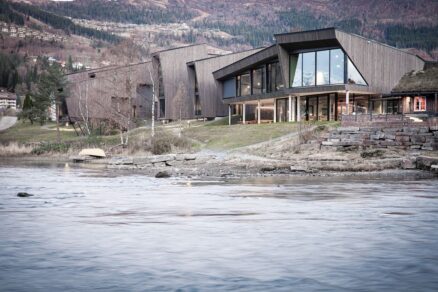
{"points": [[282, 110], [296, 70], [354, 76], [309, 69], [275, 78], [245, 84], [258, 81], [337, 66], [323, 67]]}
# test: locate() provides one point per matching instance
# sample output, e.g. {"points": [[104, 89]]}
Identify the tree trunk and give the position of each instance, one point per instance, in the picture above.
{"points": [[58, 133]]}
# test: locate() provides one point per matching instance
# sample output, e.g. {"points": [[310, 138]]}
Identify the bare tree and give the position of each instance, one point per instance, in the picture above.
{"points": [[83, 107], [153, 105], [179, 100]]}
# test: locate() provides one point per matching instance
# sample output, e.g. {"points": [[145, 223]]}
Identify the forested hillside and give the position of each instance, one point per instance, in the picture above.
{"points": [[402, 23]]}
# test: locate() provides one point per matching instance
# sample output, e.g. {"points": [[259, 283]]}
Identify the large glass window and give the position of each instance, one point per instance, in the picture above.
{"points": [[230, 88], [275, 78], [258, 81], [309, 69], [296, 70], [354, 76], [245, 84], [322, 67], [336, 66]]}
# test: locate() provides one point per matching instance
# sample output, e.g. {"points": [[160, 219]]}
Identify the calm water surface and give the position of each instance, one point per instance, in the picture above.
{"points": [[90, 229]]}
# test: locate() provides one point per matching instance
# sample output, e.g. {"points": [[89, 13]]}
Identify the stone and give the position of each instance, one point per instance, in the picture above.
{"points": [[334, 140], [348, 129], [24, 195], [297, 169], [423, 130], [268, 168], [162, 174], [160, 164], [327, 143], [161, 158], [409, 163], [121, 161], [390, 136]]}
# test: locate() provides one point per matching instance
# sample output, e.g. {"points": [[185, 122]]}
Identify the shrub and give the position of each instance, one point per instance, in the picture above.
{"points": [[165, 142], [50, 148]]}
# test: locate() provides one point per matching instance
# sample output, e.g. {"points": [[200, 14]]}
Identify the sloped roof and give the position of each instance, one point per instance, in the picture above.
{"points": [[425, 80]]}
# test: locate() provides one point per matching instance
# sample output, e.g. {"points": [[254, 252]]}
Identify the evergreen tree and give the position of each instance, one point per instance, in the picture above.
{"points": [[51, 90]]}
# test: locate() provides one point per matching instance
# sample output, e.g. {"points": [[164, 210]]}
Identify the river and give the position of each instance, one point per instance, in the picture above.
{"points": [[90, 229]]}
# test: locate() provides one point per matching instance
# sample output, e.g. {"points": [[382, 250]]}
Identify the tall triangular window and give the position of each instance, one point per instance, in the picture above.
{"points": [[353, 75]]}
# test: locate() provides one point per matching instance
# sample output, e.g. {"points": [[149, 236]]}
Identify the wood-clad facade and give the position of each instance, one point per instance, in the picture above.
{"points": [[325, 74], [175, 96], [204, 89], [108, 93]]}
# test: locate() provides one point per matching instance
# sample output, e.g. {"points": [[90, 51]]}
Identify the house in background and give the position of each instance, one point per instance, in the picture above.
{"points": [[314, 75], [7, 99], [417, 92]]}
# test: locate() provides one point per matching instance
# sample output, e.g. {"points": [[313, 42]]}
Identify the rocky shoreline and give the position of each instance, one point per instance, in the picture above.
{"points": [[238, 164]]}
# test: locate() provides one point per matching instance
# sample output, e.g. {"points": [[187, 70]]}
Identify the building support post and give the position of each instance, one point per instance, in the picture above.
{"points": [[298, 108], [436, 102], [258, 112], [347, 101], [229, 114], [275, 110], [244, 113], [289, 116]]}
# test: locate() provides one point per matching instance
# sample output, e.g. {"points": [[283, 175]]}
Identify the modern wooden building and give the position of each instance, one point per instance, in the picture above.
{"points": [[173, 84], [204, 89], [314, 75], [114, 94]]}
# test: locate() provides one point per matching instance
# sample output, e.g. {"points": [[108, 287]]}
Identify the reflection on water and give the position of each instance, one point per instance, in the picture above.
{"points": [[90, 229]]}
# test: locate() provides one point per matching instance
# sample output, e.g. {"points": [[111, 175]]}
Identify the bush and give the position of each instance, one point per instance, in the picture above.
{"points": [[164, 143], [50, 148]]}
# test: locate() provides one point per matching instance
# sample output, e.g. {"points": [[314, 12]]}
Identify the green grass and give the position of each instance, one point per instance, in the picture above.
{"points": [[215, 135], [28, 133], [234, 136], [218, 135]]}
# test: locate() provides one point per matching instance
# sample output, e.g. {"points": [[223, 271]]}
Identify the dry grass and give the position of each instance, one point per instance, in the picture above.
{"points": [[14, 149]]}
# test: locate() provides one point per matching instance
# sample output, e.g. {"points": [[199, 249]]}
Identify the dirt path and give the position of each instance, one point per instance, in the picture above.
{"points": [[7, 122]]}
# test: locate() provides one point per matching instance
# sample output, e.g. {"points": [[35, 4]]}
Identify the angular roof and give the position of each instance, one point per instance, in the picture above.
{"points": [[425, 80]]}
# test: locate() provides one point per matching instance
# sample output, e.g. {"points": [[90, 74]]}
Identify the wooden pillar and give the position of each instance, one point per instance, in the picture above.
{"points": [[258, 112], [244, 113], [229, 114], [347, 101], [298, 108], [436, 102], [275, 110]]}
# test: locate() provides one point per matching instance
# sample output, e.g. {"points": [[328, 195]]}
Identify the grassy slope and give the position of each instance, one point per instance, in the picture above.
{"points": [[27, 133], [223, 137], [213, 135]]}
